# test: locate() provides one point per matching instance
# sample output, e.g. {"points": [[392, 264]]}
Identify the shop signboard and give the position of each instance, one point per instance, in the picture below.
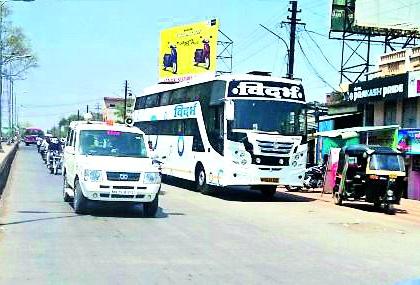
{"points": [[414, 84], [187, 51], [409, 141], [385, 88]]}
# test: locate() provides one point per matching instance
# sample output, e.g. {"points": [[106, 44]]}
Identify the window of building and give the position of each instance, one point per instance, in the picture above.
{"points": [[390, 116], [409, 113]]}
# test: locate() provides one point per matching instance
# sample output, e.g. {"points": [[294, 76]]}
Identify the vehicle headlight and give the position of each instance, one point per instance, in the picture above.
{"points": [[92, 175], [151, 178]]}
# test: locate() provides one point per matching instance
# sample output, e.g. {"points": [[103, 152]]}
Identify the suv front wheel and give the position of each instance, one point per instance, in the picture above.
{"points": [[80, 201], [150, 208], [66, 197]]}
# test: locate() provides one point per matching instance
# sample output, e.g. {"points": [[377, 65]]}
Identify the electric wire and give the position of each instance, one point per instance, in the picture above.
{"points": [[313, 67]]}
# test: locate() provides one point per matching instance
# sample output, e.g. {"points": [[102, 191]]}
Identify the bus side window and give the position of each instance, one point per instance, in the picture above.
{"points": [[191, 129], [164, 98], [178, 96], [151, 101], [140, 103]]}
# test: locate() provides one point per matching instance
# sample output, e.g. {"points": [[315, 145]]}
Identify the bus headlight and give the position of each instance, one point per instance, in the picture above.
{"points": [[92, 175], [151, 178], [258, 160]]}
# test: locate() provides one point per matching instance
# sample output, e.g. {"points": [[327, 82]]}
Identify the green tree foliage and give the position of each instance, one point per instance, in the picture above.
{"points": [[16, 50]]}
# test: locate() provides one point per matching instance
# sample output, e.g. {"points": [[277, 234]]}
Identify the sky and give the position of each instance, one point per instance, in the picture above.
{"points": [[88, 48]]}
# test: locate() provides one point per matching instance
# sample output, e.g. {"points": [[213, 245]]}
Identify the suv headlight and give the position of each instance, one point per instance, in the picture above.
{"points": [[92, 175], [151, 178]]}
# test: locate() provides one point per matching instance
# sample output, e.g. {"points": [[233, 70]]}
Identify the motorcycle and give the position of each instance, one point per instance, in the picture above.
{"points": [[203, 55], [314, 177], [56, 162], [170, 60]]}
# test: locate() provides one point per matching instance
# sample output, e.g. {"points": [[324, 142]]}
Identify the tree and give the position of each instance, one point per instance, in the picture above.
{"points": [[17, 54]]}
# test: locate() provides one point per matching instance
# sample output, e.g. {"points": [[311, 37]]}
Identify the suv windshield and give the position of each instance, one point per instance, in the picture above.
{"points": [[112, 143], [387, 162]]}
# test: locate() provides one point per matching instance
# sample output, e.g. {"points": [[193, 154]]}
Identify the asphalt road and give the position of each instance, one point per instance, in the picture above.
{"points": [[235, 238]]}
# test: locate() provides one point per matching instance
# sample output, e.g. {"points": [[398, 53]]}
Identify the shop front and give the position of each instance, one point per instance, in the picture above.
{"points": [[409, 143]]}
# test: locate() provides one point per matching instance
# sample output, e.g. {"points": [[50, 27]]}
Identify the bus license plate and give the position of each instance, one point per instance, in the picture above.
{"points": [[122, 192], [271, 180]]}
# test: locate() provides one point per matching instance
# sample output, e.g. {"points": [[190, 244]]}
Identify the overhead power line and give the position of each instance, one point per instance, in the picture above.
{"points": [[60, 105], [313, 67], [321, 51]]}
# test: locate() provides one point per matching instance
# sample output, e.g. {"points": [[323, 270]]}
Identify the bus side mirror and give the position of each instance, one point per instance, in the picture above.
{"points": [[229, 110]]}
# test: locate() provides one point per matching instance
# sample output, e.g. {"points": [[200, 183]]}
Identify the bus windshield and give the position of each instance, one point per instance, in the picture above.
{"points": [[112, 143], [285, 118], [34, 132]]}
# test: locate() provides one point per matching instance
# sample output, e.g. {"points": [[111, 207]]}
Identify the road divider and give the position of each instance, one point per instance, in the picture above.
{"points": [[6, 160]]}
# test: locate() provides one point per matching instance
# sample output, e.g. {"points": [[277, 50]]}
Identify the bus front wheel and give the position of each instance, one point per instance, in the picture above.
{"points": [[201, 181]]}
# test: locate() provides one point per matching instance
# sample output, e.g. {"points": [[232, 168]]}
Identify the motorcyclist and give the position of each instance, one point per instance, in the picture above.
{"points": [[54, 145], [44, 146]]}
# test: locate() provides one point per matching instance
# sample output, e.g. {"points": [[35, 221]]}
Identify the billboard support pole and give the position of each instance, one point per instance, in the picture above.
{"points": [[225, 56]]}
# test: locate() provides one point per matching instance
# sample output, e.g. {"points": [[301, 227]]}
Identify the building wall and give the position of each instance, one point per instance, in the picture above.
{"points": [[379, 113], [418, 113], [399, 112]]}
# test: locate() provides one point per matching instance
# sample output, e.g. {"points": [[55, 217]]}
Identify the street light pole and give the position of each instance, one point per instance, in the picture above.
{"points": [[1, 64]]}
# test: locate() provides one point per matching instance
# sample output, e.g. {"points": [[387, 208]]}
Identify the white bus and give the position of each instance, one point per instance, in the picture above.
{"points": [[229, 130]]}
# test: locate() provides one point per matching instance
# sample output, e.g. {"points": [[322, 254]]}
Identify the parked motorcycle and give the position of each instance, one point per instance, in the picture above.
{"points": [[56, 162], [314, 177], [170, 60], [203, 55]]}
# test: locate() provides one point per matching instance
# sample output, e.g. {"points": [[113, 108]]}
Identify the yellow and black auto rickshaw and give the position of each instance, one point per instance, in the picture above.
{"points": [[373, 174]]}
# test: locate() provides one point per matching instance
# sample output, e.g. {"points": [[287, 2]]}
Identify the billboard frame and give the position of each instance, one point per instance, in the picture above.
{"points": [[355, 60], [225, 56]]}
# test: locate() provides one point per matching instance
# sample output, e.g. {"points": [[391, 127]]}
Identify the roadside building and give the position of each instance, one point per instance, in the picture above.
{"points": [[392, 98], [112, 109]]}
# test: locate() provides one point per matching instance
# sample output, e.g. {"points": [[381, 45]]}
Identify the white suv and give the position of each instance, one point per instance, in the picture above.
{"points": [[109, 163]]}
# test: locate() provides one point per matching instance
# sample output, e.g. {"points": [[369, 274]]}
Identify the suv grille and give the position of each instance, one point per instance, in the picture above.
{"points": [[276, 148], [122, 176]]}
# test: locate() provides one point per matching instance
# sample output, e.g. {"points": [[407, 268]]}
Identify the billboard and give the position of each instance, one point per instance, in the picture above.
{"points": [[409, 141], [342, 15], [388, 14], [188, 50]]}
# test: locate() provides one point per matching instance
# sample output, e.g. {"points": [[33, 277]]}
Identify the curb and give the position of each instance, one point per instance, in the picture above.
{"points": [[5, 167]]}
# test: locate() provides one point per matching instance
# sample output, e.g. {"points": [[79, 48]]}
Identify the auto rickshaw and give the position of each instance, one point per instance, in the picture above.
{"points": [[374, 174]]}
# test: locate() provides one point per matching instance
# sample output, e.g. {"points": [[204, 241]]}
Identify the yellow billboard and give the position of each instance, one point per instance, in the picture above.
{"points": [[188, 50]]}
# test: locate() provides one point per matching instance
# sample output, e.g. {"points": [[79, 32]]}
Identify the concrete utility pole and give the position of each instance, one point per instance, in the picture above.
{"points": [[98, 109], [125, 100], [293, 22]]}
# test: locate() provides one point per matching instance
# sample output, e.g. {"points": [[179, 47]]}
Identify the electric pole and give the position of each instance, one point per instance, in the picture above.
{"points": [[125, 100], [293, 22], [97, 108]]}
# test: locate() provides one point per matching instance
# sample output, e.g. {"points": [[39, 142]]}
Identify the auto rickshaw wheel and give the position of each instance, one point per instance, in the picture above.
{"points": [[389, 209], [338, 200], [377, 204]]}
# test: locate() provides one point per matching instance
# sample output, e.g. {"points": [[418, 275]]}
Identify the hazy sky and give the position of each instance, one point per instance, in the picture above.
{"points": [[88, 48]]}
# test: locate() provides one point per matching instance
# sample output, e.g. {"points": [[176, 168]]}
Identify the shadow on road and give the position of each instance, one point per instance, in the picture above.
{"points": [[240, 194], [367, 207], [121, 210], [36, 220]]}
